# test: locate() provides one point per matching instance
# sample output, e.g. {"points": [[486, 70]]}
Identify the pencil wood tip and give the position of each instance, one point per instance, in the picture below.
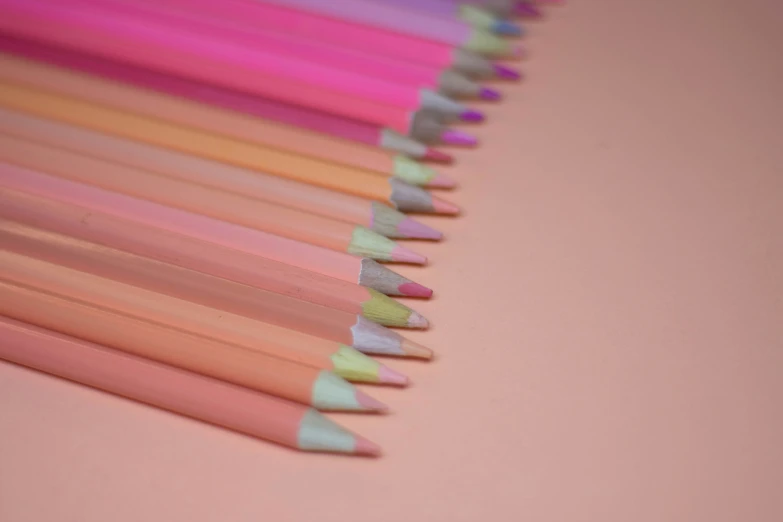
{"points": [[388, 376], [411, 228], [441, 206], [412, 349], [442, 181], [363, 446], [506, 73], [412, 289], [458, 137], [436, 155], [472, 115], [489, 94], [403, 255], [416, 320], [370, 403]]}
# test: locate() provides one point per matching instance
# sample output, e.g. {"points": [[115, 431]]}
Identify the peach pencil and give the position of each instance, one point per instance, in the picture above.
{"points": [[302, 255], [220, 148], [185, 393], [374, 215], [218, 325], [180, 111], [224, 206], [320, 321], [362, 297], [285, 379]]}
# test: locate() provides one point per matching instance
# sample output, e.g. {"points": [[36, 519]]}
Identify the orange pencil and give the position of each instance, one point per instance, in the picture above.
{"points": [[279, 377], [208, 118], [218, 204], [218, 325], [309, 257], [187, 252], [267, 307], [212, 146], [185, 393], [374, 215]]}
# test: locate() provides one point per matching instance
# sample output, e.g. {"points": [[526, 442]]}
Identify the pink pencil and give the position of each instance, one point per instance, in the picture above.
{"points": [[308, 257], [61, 26], [447, 82], [412, 23], [125, 35], [185, 393]]}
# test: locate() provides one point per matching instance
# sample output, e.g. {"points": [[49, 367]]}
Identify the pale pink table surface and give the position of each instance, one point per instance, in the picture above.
{"points": [[611, 351]]}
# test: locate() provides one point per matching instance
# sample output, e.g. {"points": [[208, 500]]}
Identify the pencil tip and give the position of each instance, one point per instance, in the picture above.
{"points": [[489, 94], [411, 228], [506, 73], [442, 181], [436, 155], [388, 376], [416, 350], [363, 446], [440, 206], [416, 320], [506, 28], [401, 254], [472, 116], [369, 403], [457, 137], [527, 9], [412, 289]]}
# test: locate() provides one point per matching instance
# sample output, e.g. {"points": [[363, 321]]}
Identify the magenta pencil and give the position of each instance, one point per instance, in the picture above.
{"points": [[228, 65]]}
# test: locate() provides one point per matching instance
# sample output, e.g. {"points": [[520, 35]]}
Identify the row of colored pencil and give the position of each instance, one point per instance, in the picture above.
{"points": [[196, 196]]}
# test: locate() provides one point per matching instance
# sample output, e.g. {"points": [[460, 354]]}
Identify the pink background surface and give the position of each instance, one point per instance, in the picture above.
{"points": [[608, 317]]}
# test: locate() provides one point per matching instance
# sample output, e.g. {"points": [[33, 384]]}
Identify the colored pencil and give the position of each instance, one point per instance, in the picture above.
{"points": [[284, 250], [179, 314], [478, 16], [307, 198], [279, 377], [176, 110], [429, 129], [252, 213], [267, 307], [185, 393], [391, 18], [232, 65], [509, 7], [405, 197], [156, 243]]}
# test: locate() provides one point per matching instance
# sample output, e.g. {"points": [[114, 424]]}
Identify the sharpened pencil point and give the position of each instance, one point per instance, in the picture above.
{"points": [[365, 447], [370, 403], [416, 320], [457, 137], [472, 116], [412, 349], [527, 9], [411, 228], [442, 181], [388, 376], [506, 73], [403, 255], [441, 206], [489, 94], [436, 155], [507, 28], [414, 290]]}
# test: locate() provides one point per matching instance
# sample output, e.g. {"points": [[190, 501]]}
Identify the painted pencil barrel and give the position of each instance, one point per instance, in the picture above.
{"points": [[185, 393]]}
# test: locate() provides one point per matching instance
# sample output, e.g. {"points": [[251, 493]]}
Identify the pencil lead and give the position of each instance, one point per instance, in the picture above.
{"points": [[363, 446], [369, 403], [489, 94], [403, 255], [416, 320], [442, 181], [472, 116], [506, 73], [388, 376], [410, 228], [413, 349], [506, 28], [377, 277], [527, 9], [458, 137], [436, 155], [441, 206], [415, 290]]}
